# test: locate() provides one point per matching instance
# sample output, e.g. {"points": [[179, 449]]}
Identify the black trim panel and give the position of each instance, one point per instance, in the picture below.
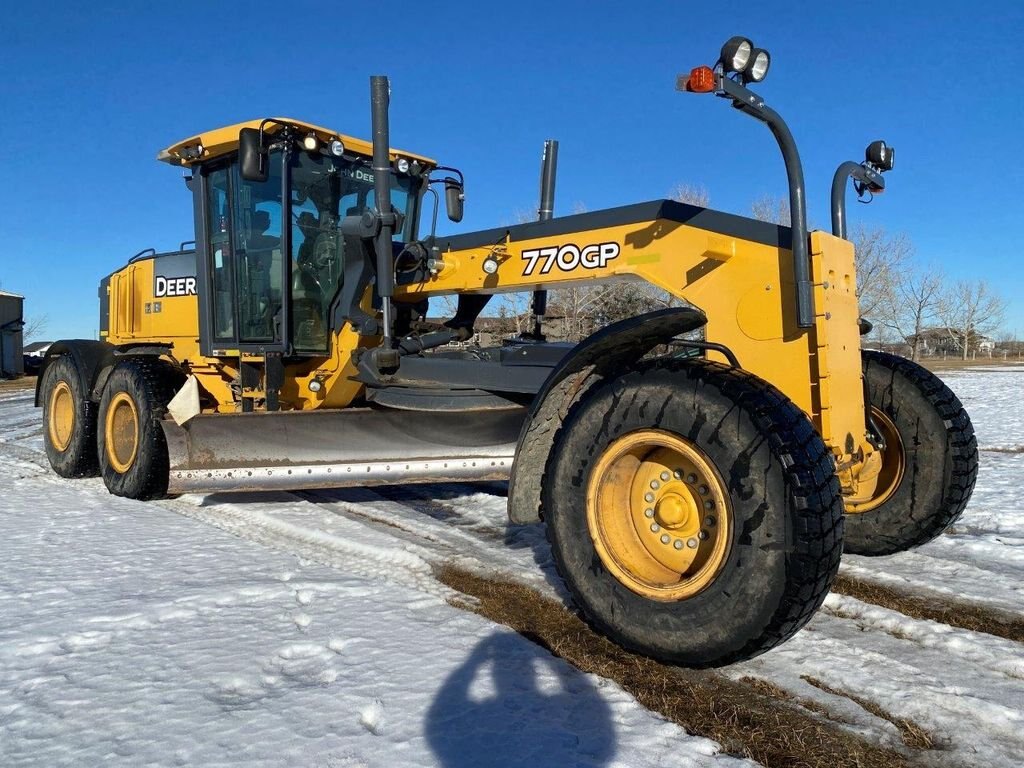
{"points": [[702, 218]]}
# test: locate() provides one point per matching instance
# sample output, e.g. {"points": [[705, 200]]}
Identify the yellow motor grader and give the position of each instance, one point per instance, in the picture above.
{"points": [[695, 466]]}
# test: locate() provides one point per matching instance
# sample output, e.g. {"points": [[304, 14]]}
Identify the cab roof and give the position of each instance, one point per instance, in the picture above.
{"points": [[221, 141]]}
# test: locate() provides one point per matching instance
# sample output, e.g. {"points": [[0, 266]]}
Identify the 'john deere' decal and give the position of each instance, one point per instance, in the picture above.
{"points": [[174, 274], [175, 286], [569, 256]]}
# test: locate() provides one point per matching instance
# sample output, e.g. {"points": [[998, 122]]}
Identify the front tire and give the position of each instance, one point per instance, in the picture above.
{"points": [[929, 465], [751, 510], [131, 442], [69, 421]]}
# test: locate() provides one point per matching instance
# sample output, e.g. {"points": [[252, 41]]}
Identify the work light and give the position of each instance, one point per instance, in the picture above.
{"points": [[736, 54], [337, 148], [402, 165], [310, 142], [880, 155], [758, 67]]}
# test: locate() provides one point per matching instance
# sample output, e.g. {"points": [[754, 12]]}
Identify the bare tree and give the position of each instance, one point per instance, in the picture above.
{"points": [[970, 309], [913, 303], [883, 263], [578, 308], [34, 328], [774, 210], [514, 313], [692, 194]]}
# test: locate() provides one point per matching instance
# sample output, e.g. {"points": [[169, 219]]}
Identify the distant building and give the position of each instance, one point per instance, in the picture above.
{"points": [[12, 320], [37, 348], [35, 354], [946, 341]]}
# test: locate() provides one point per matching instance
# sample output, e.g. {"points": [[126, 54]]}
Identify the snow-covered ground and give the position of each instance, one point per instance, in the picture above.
{"points": [[307, 629]]}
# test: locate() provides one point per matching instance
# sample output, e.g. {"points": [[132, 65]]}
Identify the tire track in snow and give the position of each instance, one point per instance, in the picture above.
{"points": [[460, 523], [360, 550]]}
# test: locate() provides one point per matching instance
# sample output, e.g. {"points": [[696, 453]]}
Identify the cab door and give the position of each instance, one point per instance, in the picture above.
{"points": [[242, 271]]}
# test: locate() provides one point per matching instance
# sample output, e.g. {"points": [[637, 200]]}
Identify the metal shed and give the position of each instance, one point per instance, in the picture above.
{"points": [[11, 322]]}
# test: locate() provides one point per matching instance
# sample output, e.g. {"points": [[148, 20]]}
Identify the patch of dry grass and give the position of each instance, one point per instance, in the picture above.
{"points": [[950, 364], [913, 735], [758, 721], [955, 613], [25, 382], [768, 688]]}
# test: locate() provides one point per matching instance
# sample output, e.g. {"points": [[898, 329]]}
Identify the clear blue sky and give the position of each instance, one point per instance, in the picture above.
{"points": [[90, 93]]}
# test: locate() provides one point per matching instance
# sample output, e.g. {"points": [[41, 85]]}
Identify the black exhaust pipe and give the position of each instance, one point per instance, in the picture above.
{"points": [[548, 169], [380, 97]]}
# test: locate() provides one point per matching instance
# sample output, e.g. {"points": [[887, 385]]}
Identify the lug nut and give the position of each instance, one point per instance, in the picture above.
{"points": [[648, 497], [648, 512], [678, 474], [702, 490], [655, 527], [691, 478], [692, 543], [665, 538], [703, 535], [678, 544], [665, 476], [655, 484], [709, 504], [709, 521]]}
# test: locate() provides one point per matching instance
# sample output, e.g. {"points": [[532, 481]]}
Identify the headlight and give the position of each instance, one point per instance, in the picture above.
{"points": [[337, 148], [758, 67], [490, 265], [310, 142], [402, 165], [736, 54]]}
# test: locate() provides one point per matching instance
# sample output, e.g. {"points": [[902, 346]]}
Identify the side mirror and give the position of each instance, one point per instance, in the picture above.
{"points": [[454, 198], [252, 158]]}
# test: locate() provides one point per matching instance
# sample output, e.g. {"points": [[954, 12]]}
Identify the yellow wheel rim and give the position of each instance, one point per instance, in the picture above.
{"points": [[894, 463], [121, 431], [62, 416], [659, 515]]}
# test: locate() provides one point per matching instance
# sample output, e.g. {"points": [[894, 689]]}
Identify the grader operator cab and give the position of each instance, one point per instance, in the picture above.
{"points": [[695, 466]]}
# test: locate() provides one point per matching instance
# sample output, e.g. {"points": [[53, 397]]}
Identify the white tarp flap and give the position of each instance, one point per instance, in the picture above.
{"points": [[185, 404]]}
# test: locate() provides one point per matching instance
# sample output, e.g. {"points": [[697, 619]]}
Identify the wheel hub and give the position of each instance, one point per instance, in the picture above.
{"points": [[62, 416], [121, 431], [654, 508], [877, 482], [674, 510]]}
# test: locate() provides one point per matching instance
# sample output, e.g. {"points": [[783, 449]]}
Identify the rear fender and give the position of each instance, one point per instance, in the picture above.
{"points": [[90, 358], [605, 353]]}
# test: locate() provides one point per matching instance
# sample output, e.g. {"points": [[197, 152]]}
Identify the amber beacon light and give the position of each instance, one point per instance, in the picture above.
{"points": [[739, 61]]}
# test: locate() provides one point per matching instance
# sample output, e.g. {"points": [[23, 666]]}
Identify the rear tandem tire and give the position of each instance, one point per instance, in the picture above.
{"points": [[751, 496], [936, 468], [69, 421], [131, 442]]}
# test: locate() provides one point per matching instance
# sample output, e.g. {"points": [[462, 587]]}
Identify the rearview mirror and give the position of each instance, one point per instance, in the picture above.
{"points": [[454, 198], [252, 158]]}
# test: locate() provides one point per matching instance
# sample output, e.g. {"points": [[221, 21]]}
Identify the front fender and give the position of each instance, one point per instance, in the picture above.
{"points": [[603, 354]]}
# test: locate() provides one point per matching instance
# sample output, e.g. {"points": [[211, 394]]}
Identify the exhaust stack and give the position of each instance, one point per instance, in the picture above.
{"points": [[548, 169]]}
